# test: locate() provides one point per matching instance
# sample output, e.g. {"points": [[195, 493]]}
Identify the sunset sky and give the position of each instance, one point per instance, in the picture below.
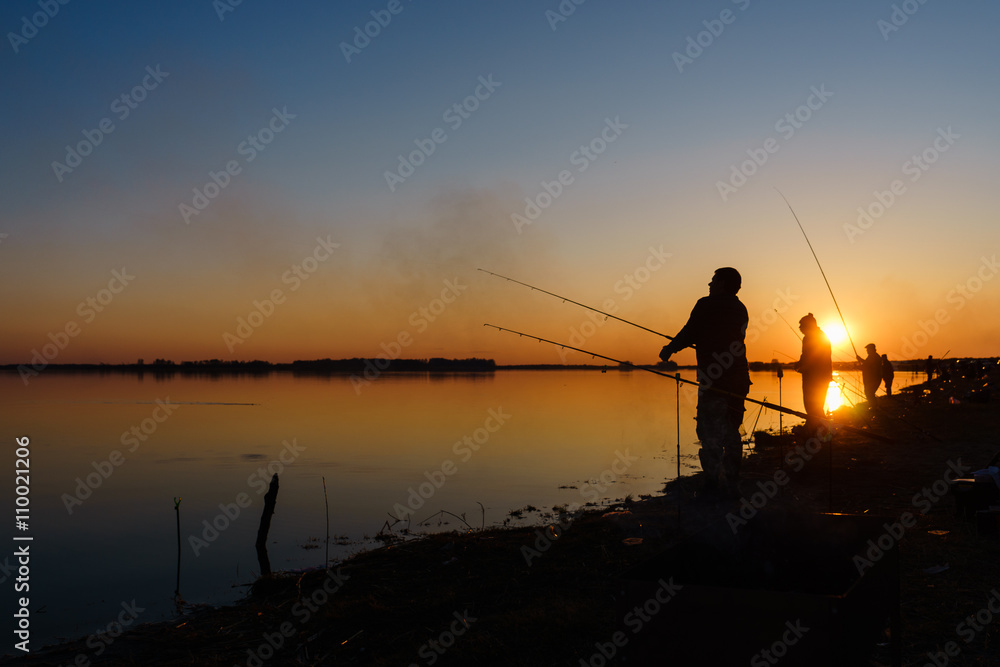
{"points": [[181, 165]]}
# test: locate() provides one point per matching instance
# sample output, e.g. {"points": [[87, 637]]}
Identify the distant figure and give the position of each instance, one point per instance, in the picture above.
{"points": [[816, 367], [888, 373], [717, 328], [871, 372], [929, 367]]}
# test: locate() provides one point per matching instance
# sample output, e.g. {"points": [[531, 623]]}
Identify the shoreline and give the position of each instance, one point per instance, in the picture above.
{"points": [[546, 596], [416, 367]]}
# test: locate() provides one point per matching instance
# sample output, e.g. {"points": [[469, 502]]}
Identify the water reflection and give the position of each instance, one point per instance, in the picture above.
{"points": [[108, 459]]}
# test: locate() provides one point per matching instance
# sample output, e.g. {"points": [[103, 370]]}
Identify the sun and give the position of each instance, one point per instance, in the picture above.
{"points": [[835, 332]]}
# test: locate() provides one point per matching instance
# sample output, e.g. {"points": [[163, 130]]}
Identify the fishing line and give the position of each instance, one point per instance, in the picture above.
{"points": [[855, 385], [582, 305], [779, 408], [842, 321], [797, 334]]}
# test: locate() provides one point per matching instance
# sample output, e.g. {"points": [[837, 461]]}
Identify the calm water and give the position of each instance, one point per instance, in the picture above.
{"points": [[508, 440]]}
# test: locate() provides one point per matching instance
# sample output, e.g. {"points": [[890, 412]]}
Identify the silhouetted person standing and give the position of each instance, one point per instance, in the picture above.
{"points": [[929, 367], [717, 328], [816, 367], [871, 372], [888, 373]]}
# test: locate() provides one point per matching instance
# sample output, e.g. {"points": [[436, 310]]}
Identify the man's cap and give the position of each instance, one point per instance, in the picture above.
{"points": [[731, 277]]}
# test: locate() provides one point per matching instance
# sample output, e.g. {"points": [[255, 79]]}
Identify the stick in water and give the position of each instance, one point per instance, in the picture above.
{"points": [[265, 525], [177, 511], [326, 498]]}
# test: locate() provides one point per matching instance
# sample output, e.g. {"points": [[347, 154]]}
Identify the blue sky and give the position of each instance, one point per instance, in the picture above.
{"points": [[657, 183]]}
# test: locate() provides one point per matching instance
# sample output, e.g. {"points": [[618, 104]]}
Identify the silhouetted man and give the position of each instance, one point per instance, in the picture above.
{"points": [[929, 367], [871, 372], [716, 328], [888, 373], [816, 367]]}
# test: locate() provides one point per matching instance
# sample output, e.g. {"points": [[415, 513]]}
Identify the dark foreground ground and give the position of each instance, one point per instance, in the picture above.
{"points": [[473, 598]]}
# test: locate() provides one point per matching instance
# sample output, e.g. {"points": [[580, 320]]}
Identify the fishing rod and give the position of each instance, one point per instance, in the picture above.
{"points": [[853, 388], [854, 384], [797, 334], [842, 321], [778, 408], [752, 430], [582, 305]]}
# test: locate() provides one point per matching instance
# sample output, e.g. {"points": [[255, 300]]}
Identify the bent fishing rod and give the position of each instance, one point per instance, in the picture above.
{"points": [[854, 385], [582, 305], [677, 377], [822, 272], [842, 321]]}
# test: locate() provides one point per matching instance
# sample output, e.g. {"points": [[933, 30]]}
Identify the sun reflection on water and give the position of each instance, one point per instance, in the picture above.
{"points": [[834, 396]]}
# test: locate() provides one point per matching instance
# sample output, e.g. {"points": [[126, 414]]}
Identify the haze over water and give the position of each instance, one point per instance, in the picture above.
{"points": [[226, 435]]}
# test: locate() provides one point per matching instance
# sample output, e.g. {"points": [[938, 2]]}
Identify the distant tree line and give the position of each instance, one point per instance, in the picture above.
{"points": [[433, 365], [355, 365]]}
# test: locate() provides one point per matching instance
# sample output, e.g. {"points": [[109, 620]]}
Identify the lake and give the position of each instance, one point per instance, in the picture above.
{"points": [[110, 452]]}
